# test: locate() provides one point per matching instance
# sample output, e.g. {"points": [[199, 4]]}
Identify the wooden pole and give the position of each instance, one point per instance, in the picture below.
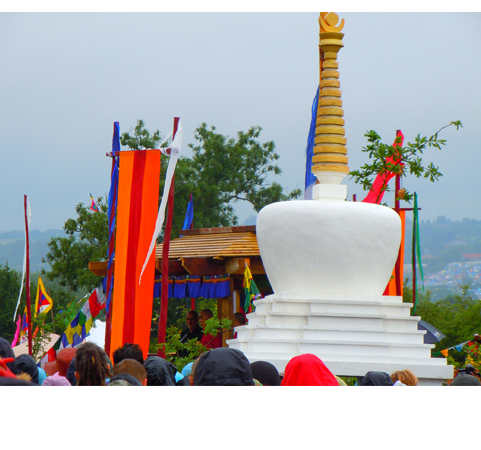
{"points": [[164, 299], [27, 282]]}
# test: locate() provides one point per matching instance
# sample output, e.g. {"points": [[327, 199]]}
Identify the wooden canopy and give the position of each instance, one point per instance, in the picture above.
{"points": [[207, 251]]}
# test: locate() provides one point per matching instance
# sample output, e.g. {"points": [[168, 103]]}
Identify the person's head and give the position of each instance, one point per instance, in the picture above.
{"points": [[204, 315], [159, 371], [238, 320], [26, 364], [128, 351], [404, 376], [91, 368], [64, 358], [6, 350], [373, 378], [192, 320], [308, 370], [131, 367], [266, 373], [223, 367]]}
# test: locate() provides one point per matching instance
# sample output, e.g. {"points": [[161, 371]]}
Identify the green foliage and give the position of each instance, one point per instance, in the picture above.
{"points": [[9, 289], [193, 347], [141, 138], [221, 172], [86, 241], [410, 155], [458, 317]]}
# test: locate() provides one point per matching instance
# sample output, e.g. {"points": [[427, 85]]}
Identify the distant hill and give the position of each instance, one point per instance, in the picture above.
{"points": [[12, 247]]}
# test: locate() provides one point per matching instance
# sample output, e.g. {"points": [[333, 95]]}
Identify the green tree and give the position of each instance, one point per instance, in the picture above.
{"points": [[457, 316], [9, 289], [388, 159], [222, 171]]}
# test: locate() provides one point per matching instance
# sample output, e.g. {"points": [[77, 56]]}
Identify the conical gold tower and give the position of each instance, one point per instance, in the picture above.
{"points": [[330, 151]]}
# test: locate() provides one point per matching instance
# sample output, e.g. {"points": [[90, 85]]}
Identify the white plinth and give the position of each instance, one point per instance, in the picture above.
{"points": [[351, 334]]}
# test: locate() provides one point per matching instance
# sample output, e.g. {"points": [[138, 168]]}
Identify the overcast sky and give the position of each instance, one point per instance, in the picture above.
{"points": [[66, 77]]}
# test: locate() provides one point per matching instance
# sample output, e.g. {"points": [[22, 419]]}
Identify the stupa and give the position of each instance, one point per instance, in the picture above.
{"points": [[328, 262]]}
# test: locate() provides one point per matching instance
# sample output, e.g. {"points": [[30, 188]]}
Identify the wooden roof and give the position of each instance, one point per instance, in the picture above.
{"points": [[207, 251], [219, 246]]}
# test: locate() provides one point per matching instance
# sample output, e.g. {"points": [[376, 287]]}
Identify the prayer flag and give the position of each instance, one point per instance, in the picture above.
{"points": [[17, 332], [250, 290], [445, 352], [43, 303], [24, 329], [310, 178], [93, 206], [97, 301], [189, 215]]}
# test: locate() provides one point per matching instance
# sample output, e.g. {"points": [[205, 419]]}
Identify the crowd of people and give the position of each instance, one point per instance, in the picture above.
{"points": [[89, 365]]}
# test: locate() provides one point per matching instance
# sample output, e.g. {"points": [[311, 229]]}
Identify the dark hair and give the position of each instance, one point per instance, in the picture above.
{"points": [[240, 318], [90, 364], [131, 367], [128, 351], [196, 314]]}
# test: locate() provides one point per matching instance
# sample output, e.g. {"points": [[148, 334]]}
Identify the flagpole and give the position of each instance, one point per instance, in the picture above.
{"points": [[164, 298], [27, 276], [397, 207]]}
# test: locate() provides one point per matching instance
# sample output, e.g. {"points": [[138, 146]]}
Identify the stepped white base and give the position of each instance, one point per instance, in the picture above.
{"points": [[351, 334]]}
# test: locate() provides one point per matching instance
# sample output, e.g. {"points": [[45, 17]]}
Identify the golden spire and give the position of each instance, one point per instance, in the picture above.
{"points": [[330, 152]]}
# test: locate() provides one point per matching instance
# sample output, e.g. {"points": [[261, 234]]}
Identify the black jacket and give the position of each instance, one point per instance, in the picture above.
{"points": [[159, 371]]}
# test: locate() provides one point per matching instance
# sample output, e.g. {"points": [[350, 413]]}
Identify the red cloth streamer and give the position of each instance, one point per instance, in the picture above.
{"points": [[382, 179]]}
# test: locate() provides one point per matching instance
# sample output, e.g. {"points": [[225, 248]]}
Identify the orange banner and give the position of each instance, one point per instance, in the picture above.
{"points": [[138, 201], [391, 287]]}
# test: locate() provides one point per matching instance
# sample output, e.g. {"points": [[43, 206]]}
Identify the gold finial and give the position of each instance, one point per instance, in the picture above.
{"points": [[329, 162], [328, 22]]}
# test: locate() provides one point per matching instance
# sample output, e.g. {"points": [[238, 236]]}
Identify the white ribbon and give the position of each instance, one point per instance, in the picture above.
{"points": [[175, 149], [29, 216]]}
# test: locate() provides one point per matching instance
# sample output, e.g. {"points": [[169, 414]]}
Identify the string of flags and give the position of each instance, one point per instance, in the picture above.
{"points": [[458, 347]]}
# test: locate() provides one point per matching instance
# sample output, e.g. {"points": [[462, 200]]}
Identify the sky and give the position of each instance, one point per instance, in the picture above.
{"points": [[66, 77]]}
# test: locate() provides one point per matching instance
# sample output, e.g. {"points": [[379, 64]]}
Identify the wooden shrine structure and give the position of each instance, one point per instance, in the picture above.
{"points": [[211, 251]]}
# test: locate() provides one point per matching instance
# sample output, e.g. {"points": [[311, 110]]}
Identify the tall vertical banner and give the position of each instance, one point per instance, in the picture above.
{"points": [[138, 201]]}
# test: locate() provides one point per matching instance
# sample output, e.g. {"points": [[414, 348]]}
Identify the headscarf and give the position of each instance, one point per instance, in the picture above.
{"points": [[376, 379], [223, 367], [308, 370], [56, 380], [266, 373], [26, 364], [159, 371]]}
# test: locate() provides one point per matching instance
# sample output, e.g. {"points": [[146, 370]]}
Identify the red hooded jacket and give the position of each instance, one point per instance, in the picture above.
{"points": [[308, 370]]}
